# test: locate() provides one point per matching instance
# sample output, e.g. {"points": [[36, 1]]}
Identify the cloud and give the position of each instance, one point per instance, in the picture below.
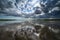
{"points": [[27, 8], [6, 4], [18, 7], [50, 8]]}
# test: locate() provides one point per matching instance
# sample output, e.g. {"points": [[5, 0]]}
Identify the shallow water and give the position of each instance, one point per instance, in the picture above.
{"points": [[27, 26]]}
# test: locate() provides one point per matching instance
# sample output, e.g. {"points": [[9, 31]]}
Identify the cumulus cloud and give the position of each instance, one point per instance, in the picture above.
{"points": [[6, 4], [29, 8], [20, 7], [50, 8]]}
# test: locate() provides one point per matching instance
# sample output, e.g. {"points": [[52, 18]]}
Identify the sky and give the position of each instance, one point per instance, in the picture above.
{"points": [[30, 8]]}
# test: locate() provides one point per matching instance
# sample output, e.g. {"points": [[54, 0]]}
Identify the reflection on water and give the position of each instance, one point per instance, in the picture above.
{"points": [[30, 30], [4, 21], [8, 22]]}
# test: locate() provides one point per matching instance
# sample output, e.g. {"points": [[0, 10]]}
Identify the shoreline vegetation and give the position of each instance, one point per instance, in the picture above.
{"points": [[7, 19], [33, 18]]}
